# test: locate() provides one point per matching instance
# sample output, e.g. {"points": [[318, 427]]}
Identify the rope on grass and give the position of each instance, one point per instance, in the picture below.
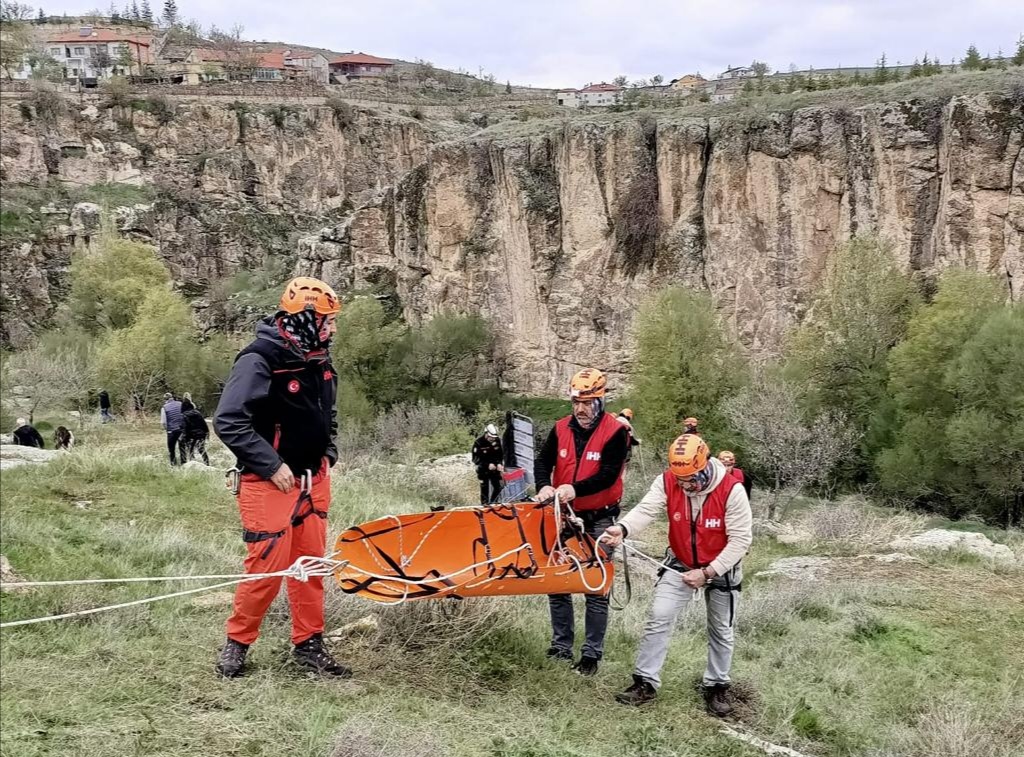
{"points": [[302, 569]]}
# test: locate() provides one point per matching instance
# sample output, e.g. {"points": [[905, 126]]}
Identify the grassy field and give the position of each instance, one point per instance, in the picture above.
{"points": [[880, 659]]}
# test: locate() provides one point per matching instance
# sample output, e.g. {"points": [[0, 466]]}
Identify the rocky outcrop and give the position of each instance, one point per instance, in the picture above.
{"points": [[232, 184], [556, 235], [944, 540]]}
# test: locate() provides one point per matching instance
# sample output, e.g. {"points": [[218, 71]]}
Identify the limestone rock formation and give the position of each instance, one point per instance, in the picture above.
{"points": [[555, 231]]}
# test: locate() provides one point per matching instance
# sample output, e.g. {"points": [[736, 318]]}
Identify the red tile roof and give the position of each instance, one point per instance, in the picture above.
{"points": [[101, 35], [362, 58], [272, 60], [602, 87]]}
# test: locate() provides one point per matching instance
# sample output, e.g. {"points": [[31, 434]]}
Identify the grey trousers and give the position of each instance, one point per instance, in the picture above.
{"points": [[595, 624], [672, 596]]}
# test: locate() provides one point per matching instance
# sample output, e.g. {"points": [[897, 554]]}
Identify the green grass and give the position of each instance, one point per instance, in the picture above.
{"points": [[839, 667]]}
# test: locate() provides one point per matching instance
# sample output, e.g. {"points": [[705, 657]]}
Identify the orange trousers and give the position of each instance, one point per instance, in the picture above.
{"points": [[273, 544]]}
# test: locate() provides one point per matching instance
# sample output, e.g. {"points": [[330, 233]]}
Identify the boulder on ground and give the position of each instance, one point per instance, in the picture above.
{"points": [[966, 541], [13, 455]]}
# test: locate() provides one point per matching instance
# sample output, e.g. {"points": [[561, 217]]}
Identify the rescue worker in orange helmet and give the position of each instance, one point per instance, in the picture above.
{"points": [[710, 530], [583, 459], [690, 425], [277, 415], [728, 459]]}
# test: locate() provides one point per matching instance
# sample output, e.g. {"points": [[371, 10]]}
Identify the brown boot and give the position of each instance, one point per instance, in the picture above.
{"points": [[641, 692], [716, 700]]}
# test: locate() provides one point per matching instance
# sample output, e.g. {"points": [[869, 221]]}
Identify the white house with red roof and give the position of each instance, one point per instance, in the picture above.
{"points": [[600, 95], [78, 52], [359, 65]]}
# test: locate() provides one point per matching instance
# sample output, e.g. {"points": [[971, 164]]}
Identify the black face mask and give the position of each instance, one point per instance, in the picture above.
{"points": [[303, 330]]}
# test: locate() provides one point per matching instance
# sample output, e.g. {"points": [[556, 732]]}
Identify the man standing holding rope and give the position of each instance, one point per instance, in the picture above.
{"points": [[710, 529], [582, 460], [277, 415]]}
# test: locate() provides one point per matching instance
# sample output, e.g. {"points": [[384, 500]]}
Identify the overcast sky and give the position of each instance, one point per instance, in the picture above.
{"points": [[573, 42]]}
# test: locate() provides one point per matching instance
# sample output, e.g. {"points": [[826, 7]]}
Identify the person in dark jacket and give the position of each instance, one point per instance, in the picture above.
{"points": [[174, 424], [277, 415], [105, 415], [582, 461], [195, 433], [489, 457], [26, 435], [63, 439]]}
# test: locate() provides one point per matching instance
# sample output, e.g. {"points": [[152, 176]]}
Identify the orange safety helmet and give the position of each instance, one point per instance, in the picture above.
{"points": [[726, 457], [687, 456], [305, 293], [588, 384], [627, 413]]}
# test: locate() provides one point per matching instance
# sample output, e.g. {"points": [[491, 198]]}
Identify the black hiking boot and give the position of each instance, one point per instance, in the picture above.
{"points": [[717, 701], [557, 653], [641, 692], [311, 654], [231, 660], [587, 666]]}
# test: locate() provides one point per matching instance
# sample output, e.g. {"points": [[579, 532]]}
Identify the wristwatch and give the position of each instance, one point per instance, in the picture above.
{"points": [[707, 578]]}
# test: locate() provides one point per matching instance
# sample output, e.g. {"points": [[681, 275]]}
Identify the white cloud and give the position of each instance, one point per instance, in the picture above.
{"points": [[571, 42]]}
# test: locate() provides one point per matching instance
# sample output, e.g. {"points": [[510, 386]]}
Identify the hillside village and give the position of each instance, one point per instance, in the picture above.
{"points": [[80, 53]]}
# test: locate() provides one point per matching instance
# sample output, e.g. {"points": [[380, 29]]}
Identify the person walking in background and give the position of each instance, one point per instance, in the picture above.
{"points": [[278, 416], [194, 434], [105, 415], [488, 457], [582, 461], [626, 419], [173, 423], [26, 435], [728, 459]]}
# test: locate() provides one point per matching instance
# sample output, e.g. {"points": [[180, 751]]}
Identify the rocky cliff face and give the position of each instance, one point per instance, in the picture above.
{"points": [[541, 233], [229, 185], [557, 235]]}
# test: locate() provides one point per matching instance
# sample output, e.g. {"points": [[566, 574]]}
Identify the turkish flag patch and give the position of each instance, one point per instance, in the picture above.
{"points": [[293, 386]]}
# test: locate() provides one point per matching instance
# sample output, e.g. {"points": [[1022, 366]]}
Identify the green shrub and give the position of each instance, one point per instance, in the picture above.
{"points": [[673, 328], [344, 113]]}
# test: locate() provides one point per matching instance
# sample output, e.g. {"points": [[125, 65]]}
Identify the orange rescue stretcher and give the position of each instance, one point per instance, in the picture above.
{"points": [[497, 550]]}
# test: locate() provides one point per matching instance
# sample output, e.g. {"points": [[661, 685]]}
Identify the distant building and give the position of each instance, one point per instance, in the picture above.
{"points": [[600, 95], [79, 53], [359, 66], [689, 83], [311, 66], [739, 72]]}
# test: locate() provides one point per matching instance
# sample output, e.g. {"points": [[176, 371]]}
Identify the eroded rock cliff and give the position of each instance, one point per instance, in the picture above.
{"points": [[556, 233]]}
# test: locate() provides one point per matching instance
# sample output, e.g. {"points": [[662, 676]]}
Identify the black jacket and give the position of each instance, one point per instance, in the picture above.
{"points": [[278, 406], [195, 425], [104, 401], [613, 456], [27, 436], [487, 452]]}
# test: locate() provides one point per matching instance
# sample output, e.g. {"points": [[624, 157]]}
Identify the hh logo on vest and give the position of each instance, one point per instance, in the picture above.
{"points": [[593, 456], [712, 523]]}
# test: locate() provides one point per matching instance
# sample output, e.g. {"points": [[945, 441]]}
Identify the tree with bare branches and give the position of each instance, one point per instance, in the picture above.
{"points": [[793, 452]]}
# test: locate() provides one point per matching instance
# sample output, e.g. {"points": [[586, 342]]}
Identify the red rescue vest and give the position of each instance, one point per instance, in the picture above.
{"points": [[739, 474], [697, 542], [569, 470]]}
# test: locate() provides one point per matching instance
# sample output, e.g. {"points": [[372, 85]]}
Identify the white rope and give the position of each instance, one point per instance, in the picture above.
{"points": [[302, 569]]}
